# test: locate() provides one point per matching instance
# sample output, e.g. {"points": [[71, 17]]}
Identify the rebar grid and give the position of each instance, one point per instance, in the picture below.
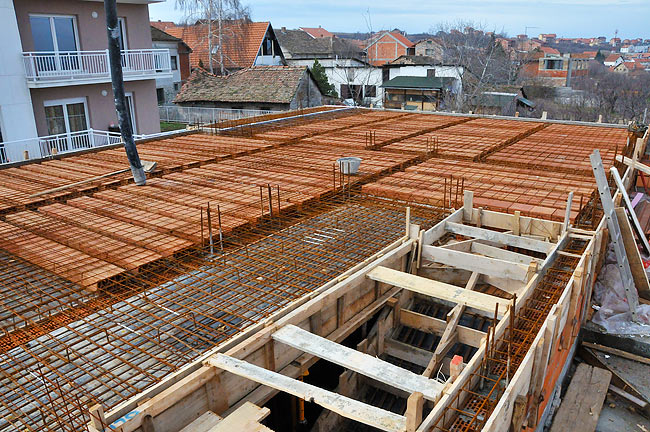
{"points": [[136, 331], [472, 405]]}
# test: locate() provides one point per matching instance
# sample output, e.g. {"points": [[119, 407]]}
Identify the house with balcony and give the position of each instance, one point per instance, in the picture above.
{"points": [[55, 81]]}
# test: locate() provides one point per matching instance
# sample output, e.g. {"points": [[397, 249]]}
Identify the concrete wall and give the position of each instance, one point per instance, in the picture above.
{"points": [[92, 31], [101, 109], [307, 95], [16, 118]]}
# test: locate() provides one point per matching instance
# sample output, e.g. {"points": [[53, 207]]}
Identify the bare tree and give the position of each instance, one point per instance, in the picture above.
{"points": [[478, 57], [207, 11]]}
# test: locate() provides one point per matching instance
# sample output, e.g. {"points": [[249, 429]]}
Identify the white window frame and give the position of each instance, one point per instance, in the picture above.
{"points": [[55, 44], [130, 100], [122, 25], [70, 101]]}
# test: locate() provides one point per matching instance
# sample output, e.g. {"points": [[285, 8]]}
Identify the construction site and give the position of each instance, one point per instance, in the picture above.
{"points": [[328, 269]]}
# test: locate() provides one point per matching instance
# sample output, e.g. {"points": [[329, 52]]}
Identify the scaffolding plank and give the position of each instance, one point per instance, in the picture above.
{"points": [[337, 403], [440, 290], [359, 362], [497, 237]]}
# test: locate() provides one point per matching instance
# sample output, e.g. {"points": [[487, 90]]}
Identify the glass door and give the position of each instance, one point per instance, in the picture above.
{"points": [[67, 119], [130, 111], [56, 38]]}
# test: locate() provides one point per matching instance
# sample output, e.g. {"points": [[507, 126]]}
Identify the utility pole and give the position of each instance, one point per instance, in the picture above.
{"points": [[115, 59]]}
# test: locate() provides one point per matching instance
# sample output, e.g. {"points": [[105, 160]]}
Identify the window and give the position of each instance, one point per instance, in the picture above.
{"points": [[160, 93], [56, 38], [553, 64], [123, 40], [385, 75], [174, 62], [130, 111], [370, 91], [64, 117], [351, 91], [267, 46], [54, 33], [176, 86]]}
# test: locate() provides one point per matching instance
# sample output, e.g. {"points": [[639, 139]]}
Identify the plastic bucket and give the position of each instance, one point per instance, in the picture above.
{"points": [[349, 165]]}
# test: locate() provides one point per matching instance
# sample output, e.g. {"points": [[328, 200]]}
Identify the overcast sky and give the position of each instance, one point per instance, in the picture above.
{"points": [[572, 18]]}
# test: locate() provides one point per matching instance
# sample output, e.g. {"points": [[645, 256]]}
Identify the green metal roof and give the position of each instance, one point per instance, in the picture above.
{"points": [[420, 83]]}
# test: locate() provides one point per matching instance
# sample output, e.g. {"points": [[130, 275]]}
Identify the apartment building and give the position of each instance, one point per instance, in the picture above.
{"points": [[55, 81]]}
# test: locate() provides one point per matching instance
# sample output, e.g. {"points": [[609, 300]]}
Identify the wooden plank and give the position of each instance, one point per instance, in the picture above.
{"points": [[503, 254], [636, 265], [450, 335], [443, 291], [246, 418], [617, 352], [583, 400], [635, 221], [475, 263], [204, 423], [341, 405], [497, 237], [359, 362], [427, 324]]}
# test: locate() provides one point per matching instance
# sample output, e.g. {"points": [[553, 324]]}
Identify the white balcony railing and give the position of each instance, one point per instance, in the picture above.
{"points": [[93, 66], [40, 147]]}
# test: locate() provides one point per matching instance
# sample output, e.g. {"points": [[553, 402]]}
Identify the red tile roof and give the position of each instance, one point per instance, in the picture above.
{"points": [[549, 50], [242, 41], [400, 37], [612, 58], [316, 32]]}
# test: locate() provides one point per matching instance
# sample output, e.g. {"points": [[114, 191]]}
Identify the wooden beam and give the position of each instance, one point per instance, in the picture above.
{"points": [[634, 257], [503, 254], [476, 263], [359, 362], [344, 406], [246, 418], [637, 165], [427, 324], [440, 290], [497, 237], [450, 335], [414, 408]]}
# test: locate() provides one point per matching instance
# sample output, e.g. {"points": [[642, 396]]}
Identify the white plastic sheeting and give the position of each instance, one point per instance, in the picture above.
{"points": [[614, 313]]}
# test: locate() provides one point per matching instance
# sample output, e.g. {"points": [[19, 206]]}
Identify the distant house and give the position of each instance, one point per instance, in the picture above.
{"points": [[167, 88], [430, 48], [386, 46], [503, 102], [423, 66], [316, 32], [613, 60], [555, 69], [344, 62], [548, 37], [260, 87], [629, 67], [245, 44], [416, 93]]}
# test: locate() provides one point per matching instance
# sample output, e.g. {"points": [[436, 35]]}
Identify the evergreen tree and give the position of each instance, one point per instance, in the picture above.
{"points": [[318, 71]]}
